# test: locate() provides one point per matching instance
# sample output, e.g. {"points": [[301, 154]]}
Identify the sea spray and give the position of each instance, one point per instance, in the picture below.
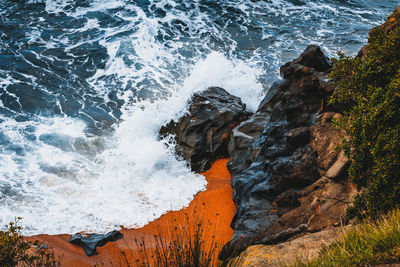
{"points": [[86, 85]]}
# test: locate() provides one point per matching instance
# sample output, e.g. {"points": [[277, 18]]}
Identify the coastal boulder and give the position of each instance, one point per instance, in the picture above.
{"points": [[202, 135]]}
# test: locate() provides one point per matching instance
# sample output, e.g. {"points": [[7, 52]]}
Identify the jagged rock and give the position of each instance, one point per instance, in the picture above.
{"points": [[276, 194], [279, 155], [321, 205], [203, 134], [312, 57], [303, 248], [90, 242], [299, 136]]}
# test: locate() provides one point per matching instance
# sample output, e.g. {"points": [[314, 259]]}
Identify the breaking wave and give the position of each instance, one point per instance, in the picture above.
{"points": [[86, 85]]}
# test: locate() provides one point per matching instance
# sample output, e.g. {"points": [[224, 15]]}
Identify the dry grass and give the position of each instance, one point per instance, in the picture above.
{"points": [[368, 244], [187, 242], [183, 242]]}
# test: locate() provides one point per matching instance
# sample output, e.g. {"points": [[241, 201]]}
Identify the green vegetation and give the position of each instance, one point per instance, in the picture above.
{"points": [[370, 87], [369, 243], [14, 250]]}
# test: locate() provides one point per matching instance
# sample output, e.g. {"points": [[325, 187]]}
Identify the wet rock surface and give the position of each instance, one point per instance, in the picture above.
{"points": [[91, 242], [280, 156], [288, 176], [202, 136]]}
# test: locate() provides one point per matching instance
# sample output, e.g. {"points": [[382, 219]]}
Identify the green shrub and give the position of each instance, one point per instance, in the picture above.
{"points": [[368, 244], [14, 250], [371, 87]]}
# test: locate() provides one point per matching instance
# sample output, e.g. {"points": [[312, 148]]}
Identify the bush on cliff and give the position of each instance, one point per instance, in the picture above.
{"points": [[14, 250], [371, 86]]}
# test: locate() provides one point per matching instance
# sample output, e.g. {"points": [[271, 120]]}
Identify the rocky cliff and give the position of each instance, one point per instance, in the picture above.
{"points": [[294, 149], [287, 175]]}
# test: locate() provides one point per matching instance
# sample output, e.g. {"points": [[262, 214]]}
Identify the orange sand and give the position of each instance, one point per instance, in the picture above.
{"points": [[217, 199]]}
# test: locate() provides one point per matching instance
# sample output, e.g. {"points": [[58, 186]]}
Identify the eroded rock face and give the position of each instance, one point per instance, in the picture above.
{"points": [[279, 157], [203, 134]]}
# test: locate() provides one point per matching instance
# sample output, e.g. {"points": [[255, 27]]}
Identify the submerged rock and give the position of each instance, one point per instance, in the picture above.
{"points": [[202, 135], [279, 157], [89, 243]]}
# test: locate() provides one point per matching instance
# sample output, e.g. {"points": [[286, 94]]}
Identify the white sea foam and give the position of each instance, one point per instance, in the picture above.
{"points": [[133, 181], [65, 192], [136, 178], [237, 77], [63, 178]]}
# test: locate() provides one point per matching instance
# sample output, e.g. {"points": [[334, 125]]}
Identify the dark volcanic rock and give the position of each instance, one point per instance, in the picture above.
{"points": [[312, 57], [278, 157], [268, 162], [203, 134], [89, 243]]}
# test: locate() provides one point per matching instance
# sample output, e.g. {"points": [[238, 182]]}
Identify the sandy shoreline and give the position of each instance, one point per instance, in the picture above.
{"points": [[214, 205]]}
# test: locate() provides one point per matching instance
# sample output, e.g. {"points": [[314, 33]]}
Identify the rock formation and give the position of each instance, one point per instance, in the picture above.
{"points": [[287, 175], [286, 170], [202, 135]]}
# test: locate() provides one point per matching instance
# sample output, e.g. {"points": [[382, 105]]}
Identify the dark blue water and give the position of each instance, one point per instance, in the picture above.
{"points": [[85, 86]]}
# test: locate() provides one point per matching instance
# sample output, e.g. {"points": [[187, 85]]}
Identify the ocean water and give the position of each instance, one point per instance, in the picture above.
{"points": [[86, 84]]}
